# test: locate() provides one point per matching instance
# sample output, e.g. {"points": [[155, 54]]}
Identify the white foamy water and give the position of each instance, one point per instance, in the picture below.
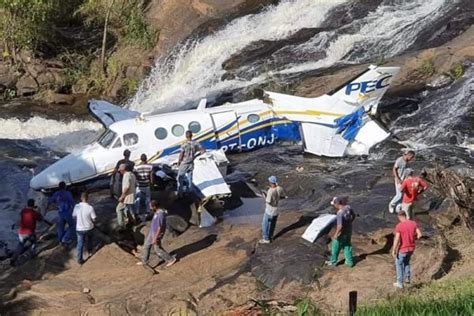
{"points": [[386, 32], [195, 71], [61, 136]]}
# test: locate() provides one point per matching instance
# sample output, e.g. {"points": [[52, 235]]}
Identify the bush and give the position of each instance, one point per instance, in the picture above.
{"points": [[456, 72]]}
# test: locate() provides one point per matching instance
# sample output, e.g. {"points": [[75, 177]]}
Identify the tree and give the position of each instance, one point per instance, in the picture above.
{"points": [[25, 23]]}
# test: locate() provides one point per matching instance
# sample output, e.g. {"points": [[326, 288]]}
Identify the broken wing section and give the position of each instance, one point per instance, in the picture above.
{"points": [[107, 113], [353, 134]]}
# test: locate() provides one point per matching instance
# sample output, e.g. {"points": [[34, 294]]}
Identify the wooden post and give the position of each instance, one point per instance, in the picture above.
{"points": [[352, 302]]}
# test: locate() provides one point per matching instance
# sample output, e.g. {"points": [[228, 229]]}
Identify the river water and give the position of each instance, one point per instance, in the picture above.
{"points": [[351, 32]]}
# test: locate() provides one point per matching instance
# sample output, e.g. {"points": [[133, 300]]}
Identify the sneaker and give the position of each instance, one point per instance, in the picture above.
{"points": [[171, 262], [398, 285], [140, 263], [81, 261], [329, 263], [264, 241], [391, 209]]}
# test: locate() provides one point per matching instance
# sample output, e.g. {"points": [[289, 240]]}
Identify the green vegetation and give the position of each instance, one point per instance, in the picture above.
{"points": [[447, 298], [427, 68], [25, 23], [456, 72], [124, 18]]}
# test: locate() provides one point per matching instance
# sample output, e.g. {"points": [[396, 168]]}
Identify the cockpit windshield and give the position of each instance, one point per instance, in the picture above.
{"points": [[107, 138]]}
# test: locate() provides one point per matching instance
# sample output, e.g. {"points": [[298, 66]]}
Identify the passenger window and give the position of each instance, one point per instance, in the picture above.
{"points": [[177, 130], [194, 127], [130, 139], [161, 133], [253, 118], [118, 143]]}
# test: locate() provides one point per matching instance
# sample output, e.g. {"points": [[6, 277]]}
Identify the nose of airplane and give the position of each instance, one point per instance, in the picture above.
{"points": [[71, 169]]}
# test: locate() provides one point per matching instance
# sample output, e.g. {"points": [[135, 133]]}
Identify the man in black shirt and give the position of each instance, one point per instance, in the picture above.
{"points": [[116, 179]]}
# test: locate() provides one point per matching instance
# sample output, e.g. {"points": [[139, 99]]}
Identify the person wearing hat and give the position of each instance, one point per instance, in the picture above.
{"points": [[270, 216], [411, 187], [342, 237], [406, 232]]}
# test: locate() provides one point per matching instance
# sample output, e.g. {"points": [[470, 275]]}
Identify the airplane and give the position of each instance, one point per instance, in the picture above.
{"points": [[335, 124]]}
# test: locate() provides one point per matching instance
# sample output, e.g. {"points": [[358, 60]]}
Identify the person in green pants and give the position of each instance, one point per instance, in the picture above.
{"points": [[342, 236]]}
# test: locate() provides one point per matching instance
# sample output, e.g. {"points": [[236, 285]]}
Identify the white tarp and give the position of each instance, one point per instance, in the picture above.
{"points": [[317, 225], [207, 220]]}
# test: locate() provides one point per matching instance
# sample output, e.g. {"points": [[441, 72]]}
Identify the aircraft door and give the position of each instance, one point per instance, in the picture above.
{"points": [[226, 129]]}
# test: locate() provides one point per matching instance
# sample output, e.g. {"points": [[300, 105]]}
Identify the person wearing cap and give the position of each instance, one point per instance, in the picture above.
{"points": [[342, 237], [189, 151], [406, 232], [411, 187], [399, 174], [270, 216], [126, 204]]}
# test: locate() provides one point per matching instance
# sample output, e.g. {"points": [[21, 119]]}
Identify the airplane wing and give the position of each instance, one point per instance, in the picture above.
{"points": [[107, 113]]}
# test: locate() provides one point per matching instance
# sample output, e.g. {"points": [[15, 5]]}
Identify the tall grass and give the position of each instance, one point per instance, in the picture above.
{"points": [[454, 298]]}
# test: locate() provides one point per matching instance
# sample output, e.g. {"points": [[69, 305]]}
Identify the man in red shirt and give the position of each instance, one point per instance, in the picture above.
{"points": [[29, 216], [411, 187], [406, 232]]}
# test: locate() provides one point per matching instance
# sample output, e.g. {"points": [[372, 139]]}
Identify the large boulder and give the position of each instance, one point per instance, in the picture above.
{"points": [[26, 85], [7, 77]]}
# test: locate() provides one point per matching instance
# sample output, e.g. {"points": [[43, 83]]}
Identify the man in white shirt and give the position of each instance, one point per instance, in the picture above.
{"points": [[85, 216]]}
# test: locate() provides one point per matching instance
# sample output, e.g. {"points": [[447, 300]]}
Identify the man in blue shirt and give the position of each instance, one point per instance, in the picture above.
{"points": [[65, 203], [155, 235]]}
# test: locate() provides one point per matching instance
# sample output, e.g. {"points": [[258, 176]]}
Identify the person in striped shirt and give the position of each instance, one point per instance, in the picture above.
{"points": [[143, 173]]}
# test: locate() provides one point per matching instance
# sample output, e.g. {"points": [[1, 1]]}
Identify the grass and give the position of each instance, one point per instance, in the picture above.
{"points": [[427, 68], [447, 298], [456, 72]]}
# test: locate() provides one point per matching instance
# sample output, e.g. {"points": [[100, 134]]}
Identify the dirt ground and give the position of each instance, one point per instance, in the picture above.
{"points": [[213, 275]]}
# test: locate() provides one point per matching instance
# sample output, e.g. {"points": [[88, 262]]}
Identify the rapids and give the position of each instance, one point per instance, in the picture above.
{"points": [[195, 70]]}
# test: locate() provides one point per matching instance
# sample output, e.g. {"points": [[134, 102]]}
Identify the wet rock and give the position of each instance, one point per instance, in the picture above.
{"points": [[59, 98], [26, 85], [439, 82], [286, 260]]}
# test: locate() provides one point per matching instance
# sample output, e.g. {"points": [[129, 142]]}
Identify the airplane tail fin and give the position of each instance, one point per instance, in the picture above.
{"points": [[367, 88]]}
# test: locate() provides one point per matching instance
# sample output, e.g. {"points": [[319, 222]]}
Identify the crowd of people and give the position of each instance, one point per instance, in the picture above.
{"points": [[135, 181]]}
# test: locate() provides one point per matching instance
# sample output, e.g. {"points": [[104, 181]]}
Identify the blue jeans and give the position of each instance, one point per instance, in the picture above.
{"points": [[23, 245], [143, 194], [160, 252], [397, 199], [84, 236], [402, 265], [268, 226], [66, 235], [185, 181]]}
